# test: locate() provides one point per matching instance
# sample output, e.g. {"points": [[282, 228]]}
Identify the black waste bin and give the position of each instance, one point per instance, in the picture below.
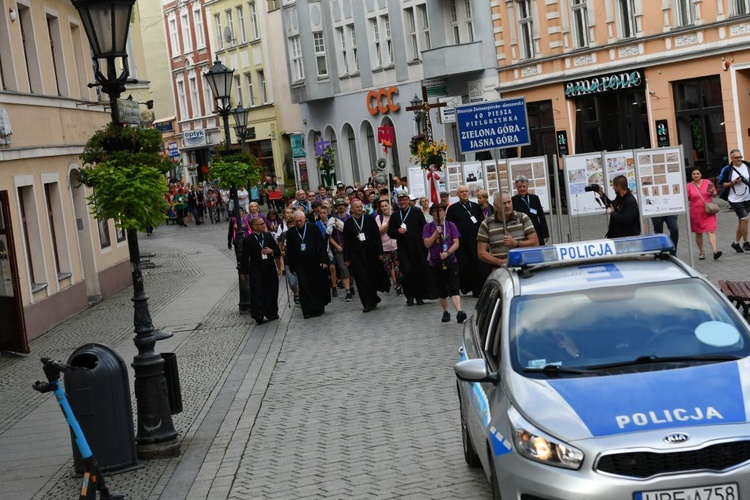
{"points": [[172, 377], [99, 393]]}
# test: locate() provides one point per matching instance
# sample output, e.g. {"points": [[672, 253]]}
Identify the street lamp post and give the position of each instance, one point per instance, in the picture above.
{"points": [[220, 80], [416, 104], [107, 23]]}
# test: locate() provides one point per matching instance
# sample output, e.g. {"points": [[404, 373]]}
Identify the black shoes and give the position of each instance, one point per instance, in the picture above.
{"points": [[334, 292], [259, 321], [446, 317], [737, 248], [746, 246], [460, 317], [717, 255], [410, 301], [420, 302]]}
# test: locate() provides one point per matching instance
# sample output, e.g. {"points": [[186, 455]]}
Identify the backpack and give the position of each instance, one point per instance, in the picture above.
{"points": [[725, 176]]}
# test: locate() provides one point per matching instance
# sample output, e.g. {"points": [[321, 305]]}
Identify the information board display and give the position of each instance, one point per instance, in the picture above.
{"points": [[662, 181], [581, 172], [620, 163], [497, 177], [492, 125], [417, 184]]}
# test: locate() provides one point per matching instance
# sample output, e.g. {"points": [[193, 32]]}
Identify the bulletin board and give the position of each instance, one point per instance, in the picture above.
{"points": [[662, 182], [580, 172], [534, 169]]}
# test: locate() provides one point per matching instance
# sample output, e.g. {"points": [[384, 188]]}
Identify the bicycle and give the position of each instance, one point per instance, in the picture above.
{"points": [[93, 479]]}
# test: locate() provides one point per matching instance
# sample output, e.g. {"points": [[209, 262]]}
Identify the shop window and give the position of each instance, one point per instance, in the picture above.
{"points": [[700, 119]]}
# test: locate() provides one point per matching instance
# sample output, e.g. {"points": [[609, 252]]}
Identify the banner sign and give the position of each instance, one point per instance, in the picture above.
{"points": [[662, 134], [562, 142], [610, 82], [174, 152], [298, 145], [492, 125], [194, 138]]}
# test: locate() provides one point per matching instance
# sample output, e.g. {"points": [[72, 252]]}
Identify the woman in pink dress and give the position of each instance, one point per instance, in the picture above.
{"points": [[701, 191]]}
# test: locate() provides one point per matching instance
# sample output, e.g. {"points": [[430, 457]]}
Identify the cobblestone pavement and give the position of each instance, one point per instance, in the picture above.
{"points": [[345, 405]]}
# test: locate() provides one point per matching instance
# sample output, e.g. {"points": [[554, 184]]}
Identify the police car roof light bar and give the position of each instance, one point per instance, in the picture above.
{"points": [[589, 250]]}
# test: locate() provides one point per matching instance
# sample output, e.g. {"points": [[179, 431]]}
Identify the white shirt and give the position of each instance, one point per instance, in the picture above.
{"points": [[739, 192]]}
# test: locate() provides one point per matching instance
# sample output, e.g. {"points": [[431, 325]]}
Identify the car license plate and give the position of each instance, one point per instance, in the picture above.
{"points": [[715, 492]]}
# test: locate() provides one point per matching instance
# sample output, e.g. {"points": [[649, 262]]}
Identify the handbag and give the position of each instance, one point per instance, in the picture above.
{"points": [[711, 207]]}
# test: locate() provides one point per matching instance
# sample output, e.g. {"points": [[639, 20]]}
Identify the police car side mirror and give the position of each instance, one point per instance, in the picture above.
{"points": [[475, 370]]}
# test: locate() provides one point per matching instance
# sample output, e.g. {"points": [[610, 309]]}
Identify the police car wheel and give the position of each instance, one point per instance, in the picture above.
{"points": [[470, 455], [494, 484]]}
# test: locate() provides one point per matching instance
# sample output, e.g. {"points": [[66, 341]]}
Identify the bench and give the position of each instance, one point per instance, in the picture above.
{"points": [[738, 293]]}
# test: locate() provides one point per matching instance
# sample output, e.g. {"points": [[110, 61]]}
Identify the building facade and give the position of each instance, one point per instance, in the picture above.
{"points": [[621, 74], [355, 67], [55, 258]]}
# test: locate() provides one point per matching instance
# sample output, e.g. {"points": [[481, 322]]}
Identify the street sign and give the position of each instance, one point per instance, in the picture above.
{"points": [[174, 151], [562, 142], [662, 134], [492, 125]]}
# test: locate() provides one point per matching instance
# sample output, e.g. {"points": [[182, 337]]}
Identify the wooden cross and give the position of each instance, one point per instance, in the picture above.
{"points": [[426, 107]]}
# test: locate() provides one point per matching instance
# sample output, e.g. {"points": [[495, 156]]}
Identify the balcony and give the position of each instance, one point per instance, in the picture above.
{"points": [[452, 59]]}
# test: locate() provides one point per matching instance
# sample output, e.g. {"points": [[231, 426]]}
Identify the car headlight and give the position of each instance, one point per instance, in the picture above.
{"points": [[536, 445]]}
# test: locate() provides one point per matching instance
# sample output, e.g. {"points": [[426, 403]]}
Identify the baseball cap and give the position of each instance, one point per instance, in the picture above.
{"points": [[340, 201], [402, 192]]}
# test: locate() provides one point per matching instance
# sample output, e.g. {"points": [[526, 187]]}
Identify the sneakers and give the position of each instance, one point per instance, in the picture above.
{"points": [[717, 255], [446, 317], [348, 297], [737, 248], [746, 246], [334, 292], [460, 317]]}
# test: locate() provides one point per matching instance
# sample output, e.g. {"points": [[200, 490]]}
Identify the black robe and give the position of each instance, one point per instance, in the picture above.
{"points": [[262, 275], [412, 254], [525, 205], [314, 292], [363, 258], [473, 272]]}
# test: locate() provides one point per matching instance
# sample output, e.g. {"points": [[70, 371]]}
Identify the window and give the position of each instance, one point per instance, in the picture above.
{"points": [[355, 56], [342, 52], [380, 27], [80, 59], [411, 34], [262, 87], [249, 87], [187, 41], [426, 40], [219, 34], [200, 38], [580, 24], [685, 12], [195, 102], [174, 36], [469, 20], [320, 54], [120, 234], [182, 99], [388, 41], [454, 23], [254, 31], [526, 29], [57, 229], [32, 238], [30, 52], [230, 26], [241, 24], [104, 238], [376, 42], [273, 5], [208, 97], [741, 7], [627, 18], [238, 86], [295, 48], [55, 44]]}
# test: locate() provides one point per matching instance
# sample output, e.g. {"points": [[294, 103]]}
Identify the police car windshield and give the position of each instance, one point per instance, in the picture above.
{"points": [[682, 319]]}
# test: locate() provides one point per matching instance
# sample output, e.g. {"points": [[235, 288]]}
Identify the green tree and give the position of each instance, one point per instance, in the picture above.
{"points": [[234, 170], [126, 170]]}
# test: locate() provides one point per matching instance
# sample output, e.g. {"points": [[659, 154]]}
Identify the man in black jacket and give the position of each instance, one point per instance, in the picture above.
{"points": [[531, 205], [258, 266], [624, 218]]}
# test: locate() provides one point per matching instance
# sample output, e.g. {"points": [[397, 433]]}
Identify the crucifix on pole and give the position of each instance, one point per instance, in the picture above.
{"points": [[423, 106]]}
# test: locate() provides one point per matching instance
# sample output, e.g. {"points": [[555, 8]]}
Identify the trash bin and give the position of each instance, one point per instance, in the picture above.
{"points": [[99, 393], [172, 376]]}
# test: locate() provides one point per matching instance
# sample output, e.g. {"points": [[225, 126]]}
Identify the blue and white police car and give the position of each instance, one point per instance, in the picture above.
{"points": [[606, 370]]}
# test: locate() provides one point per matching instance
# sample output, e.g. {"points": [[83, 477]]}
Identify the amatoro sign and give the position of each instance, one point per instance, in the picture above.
{"points": [[605, 83]]}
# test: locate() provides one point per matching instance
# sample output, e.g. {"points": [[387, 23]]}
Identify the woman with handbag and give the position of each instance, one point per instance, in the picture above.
{"points": [[702, 211]]}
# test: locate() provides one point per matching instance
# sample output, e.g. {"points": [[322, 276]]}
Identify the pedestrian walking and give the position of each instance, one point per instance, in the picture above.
{"points": [[701, 191], [258, 265], [442, 239], [363, 254], [406, 227], [467, 216], [337, 248], [307, 258], [390, 248], [736, 183]]}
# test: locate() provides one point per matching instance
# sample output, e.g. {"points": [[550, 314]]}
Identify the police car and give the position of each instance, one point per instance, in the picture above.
{"points": [[606, 370]]}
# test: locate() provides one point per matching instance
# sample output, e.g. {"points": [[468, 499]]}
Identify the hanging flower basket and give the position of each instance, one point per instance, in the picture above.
{"points": [[326, 161], [429, 153]]}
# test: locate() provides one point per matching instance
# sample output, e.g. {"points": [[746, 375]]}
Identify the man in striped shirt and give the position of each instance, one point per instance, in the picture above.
{"points": [[496, 237]]}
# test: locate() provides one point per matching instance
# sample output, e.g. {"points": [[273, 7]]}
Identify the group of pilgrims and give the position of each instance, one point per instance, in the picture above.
{"points": [[364, 245]]}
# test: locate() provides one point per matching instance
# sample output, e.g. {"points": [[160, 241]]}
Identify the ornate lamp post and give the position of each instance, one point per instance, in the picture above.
{"points": [[240, 115], [107, 23], [416, 104], [220, 80]]}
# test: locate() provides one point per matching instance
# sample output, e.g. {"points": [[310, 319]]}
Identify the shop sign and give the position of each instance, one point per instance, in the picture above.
{"points": [[562, 142], [448, 113], [194, 138], [298, 145], [174, 152], [128, 111], [385, 134], [492, 125], [436, 88], [381, 101], [610, 82], [164, 127], [662, 134]]}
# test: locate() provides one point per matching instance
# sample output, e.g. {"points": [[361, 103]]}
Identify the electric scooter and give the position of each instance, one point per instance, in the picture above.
{"points": [[93, 479]]}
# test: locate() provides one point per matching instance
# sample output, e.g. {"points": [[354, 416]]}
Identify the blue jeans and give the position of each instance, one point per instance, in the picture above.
{"points": [[674, 230]]}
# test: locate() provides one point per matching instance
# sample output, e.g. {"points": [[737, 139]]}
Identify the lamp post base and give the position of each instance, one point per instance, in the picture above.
{"points": [[153, 451]]}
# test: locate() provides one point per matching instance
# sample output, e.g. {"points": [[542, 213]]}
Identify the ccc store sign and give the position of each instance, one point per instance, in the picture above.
{"points": [[381, 101]]}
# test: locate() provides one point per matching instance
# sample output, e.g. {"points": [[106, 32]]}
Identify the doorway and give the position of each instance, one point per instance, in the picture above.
{"points": [[13, 333]]}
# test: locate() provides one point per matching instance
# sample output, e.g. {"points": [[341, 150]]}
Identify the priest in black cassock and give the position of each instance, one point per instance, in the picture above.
{"points": [[405, 227], [467, 216], [531, 205], [258, 266], [307, 257], [363, 255]]}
